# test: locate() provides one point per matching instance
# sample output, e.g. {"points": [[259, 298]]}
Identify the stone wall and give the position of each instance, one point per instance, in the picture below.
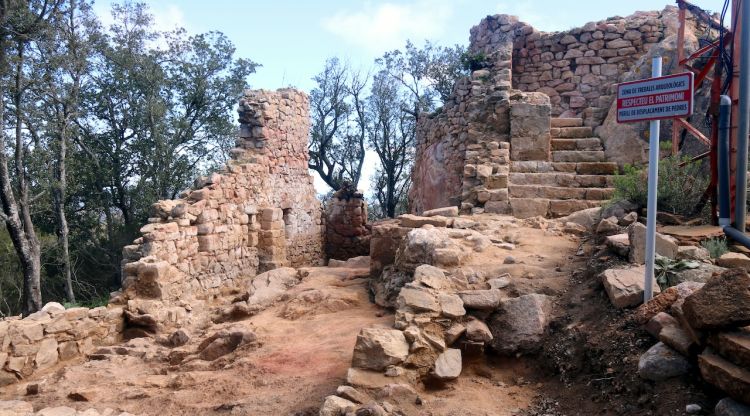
{"points": [[258, 213], [579, 68], [43, 339], [499, 114], [347, 230]]}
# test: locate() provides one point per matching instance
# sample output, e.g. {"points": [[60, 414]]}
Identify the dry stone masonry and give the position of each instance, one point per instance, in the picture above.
{"points": [[259, 213], [52, 335], [519, 136], [347, 230]]}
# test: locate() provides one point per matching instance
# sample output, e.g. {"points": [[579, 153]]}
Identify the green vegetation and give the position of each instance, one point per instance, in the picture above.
{"points": [[716, 246], [668, 271], [474, 61], [680, 188]]}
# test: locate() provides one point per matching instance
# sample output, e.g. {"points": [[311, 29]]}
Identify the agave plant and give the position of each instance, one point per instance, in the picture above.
{"points": [[668, 271]]}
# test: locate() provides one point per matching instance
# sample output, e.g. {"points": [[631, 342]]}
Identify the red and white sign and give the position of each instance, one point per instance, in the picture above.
{"points": [[655, 98]]}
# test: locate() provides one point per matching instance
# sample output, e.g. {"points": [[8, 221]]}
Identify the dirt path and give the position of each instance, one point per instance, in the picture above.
{"points": [[305, 344]]}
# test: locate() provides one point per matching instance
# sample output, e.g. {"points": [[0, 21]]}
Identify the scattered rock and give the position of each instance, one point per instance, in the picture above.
{"points": [[519, 323], [586, 218], [417, 300], [451, 305], [734, 380], [664, 301], [415, 221], [724, 301], [432, 277], [661, 362], [730, 407], [619, 244], [625, 286], [629, 219], [575, 229], [693, 409], [445, 212], [223, 342], [481, 299], [665, 245], [608, 226], [478, 331], [659, 322], [352, 394], [377, 348], [692, 253], [499, 282], [179, 338], [336, 406], [734, 260], [453, 333], [448, 364]]}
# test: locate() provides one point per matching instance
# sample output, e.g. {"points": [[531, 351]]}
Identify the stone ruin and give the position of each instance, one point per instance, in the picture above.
{"points": [[347, 231], [259, 213], [533, 133]]}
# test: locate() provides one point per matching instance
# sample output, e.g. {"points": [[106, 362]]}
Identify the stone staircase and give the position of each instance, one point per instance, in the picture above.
{"points": [[576, 177]]}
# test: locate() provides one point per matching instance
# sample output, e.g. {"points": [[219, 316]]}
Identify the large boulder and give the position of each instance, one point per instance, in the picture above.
{"points": [[723, 302], [661, 362], [377, 348], [518, 324]]}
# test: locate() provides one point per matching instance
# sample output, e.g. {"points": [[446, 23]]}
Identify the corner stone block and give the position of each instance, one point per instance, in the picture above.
{"points": [[271, 214]]}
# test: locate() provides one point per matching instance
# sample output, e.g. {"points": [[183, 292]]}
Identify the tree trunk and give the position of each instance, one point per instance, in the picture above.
{"points": [[62, 221]]}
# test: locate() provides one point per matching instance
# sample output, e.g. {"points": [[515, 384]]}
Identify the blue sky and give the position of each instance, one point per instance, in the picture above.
{"points": [[292, 39]]}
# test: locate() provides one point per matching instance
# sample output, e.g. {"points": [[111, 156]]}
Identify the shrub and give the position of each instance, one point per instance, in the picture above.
{"points": [[716, 246], [680, 187], [474, 61]]}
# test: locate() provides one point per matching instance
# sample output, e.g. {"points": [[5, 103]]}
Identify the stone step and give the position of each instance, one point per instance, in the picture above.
{"points": [[578, 156], [560, 192], [734, 346], [566, 122], [570, 180], [733, 379], [551, 208], [571, 132], [583, 168], [589, 143]]}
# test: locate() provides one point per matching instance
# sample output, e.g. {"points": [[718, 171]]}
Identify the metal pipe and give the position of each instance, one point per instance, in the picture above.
{"points": [[725, 110], [653, 182], [743, 124], [737, 236]]}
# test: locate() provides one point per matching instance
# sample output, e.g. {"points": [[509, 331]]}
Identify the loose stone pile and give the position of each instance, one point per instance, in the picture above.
{"points": [[442, 310]]}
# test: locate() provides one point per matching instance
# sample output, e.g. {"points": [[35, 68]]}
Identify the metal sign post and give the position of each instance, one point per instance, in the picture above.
{"points": [[651, 100], [653, 182]]}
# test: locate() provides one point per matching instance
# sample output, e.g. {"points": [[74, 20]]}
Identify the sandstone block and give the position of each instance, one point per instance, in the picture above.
{"points": [[417, 300], [486, 300], [414, 221], [733, 260], [448, 365], [451, 305], [723, 302], [625, 286], [518, 325], [734, 380], [443, 212], [377, 348], [665, 245]]}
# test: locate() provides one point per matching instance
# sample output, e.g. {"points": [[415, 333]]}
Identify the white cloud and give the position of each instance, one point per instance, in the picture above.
{"points": [[384, 26]]}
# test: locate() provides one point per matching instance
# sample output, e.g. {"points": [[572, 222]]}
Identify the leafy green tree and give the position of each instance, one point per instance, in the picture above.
{"points": [[338, 124]]}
